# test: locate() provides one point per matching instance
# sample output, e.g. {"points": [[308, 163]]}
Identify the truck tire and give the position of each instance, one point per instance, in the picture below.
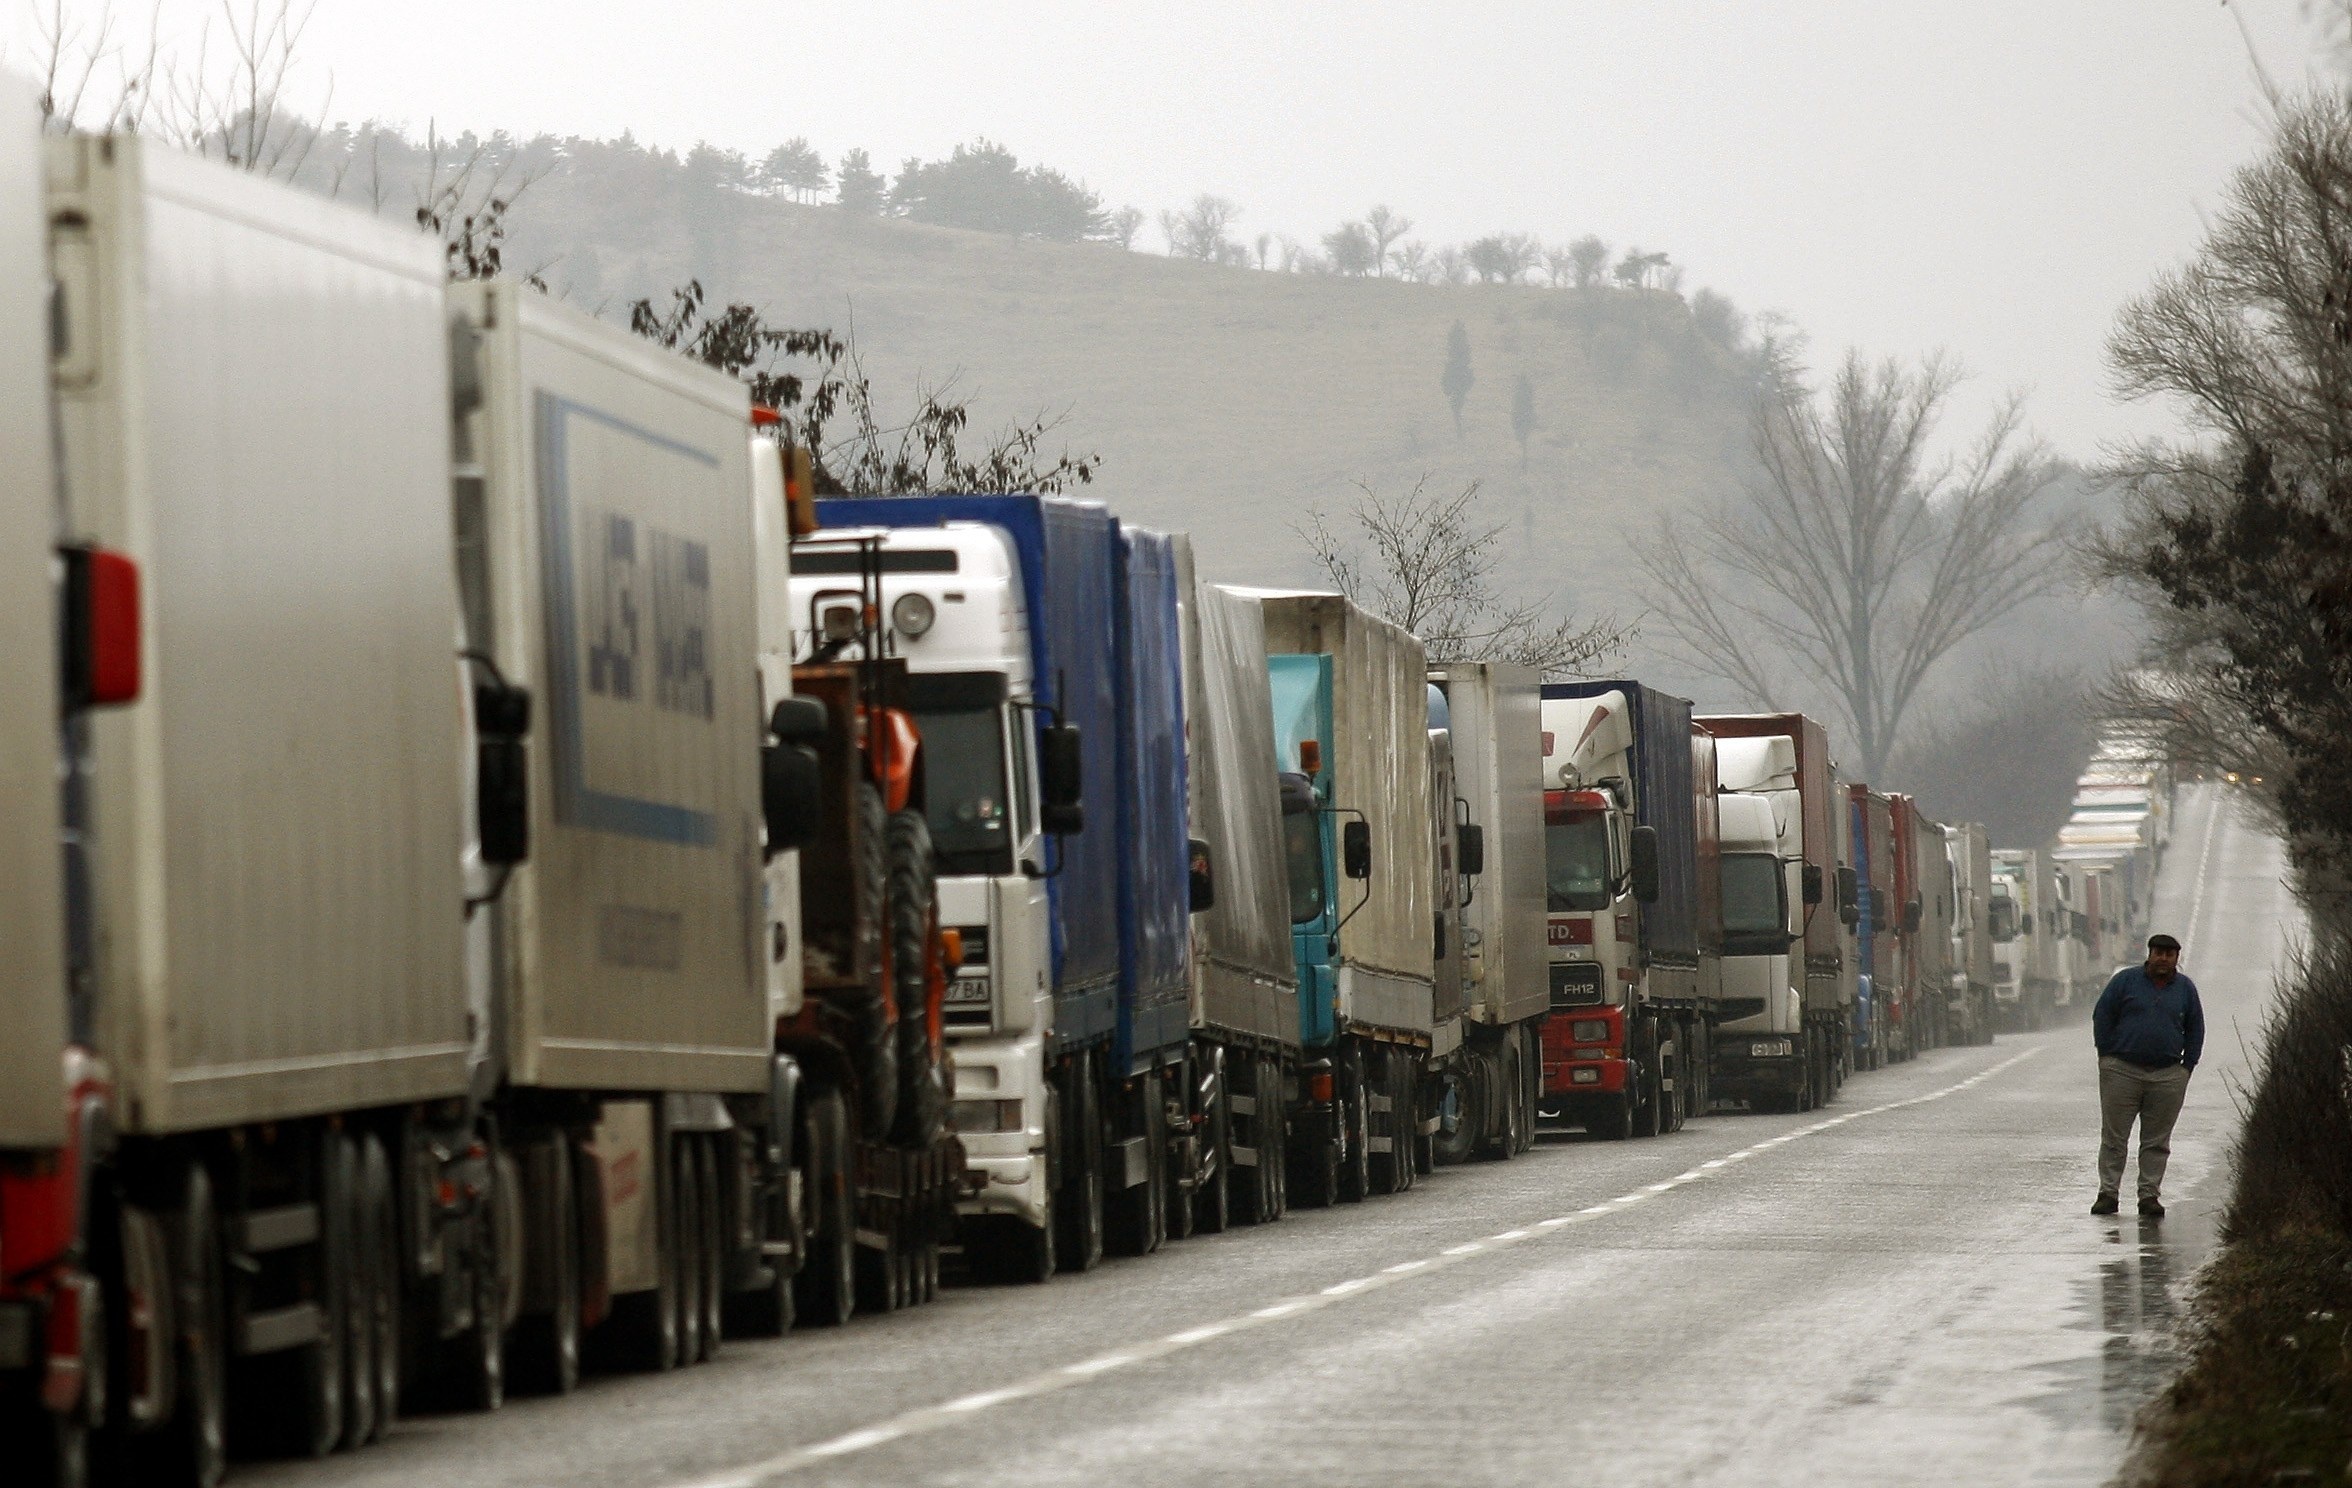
{"points": [[290, 1403], [921, 1063], [1213, 1201], [1460, 1112], [873, 1039], [1253, 1190], [1355, 1156], [1079, 1247], [382, 1213], [191, 1450], [713, 1249], [543, 1352], [684, 1258], [1385, 1172], [1279, 1178], [1137, 1216], [1182, 1141], [826, 1290]]}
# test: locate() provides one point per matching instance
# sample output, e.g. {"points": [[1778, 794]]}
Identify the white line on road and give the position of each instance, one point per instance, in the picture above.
{"points": [[2188, 936], [935, 1417]]}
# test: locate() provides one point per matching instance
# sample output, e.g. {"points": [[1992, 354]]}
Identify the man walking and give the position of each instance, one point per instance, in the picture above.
{"points": [[2150, 1030]]}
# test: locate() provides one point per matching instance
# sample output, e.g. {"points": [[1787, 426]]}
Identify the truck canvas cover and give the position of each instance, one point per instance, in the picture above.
{"points": [[615, 513], [1069, 557], [1155, 932], [255, 406], [32, 930], [1377, 760], [1245, 976], [1496, 713]]}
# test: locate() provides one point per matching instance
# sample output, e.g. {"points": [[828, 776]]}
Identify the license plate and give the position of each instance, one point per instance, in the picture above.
{"points": [[968, 989]]}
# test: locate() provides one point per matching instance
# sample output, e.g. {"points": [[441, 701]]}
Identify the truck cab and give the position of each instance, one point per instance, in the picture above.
{"points": [[952, 600], [1761, 1051]]}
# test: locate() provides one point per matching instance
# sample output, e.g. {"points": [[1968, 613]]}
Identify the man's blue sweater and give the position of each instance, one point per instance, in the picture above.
{"points": [[2150, 1026]]}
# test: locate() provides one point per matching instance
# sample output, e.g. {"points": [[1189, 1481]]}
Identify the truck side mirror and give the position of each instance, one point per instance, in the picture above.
{"points": [[1811, 884], [502, 776], [1913, 913], [1645, 864], [1471, 848], [1061, 779], [1355, 849], [1849, 896], [791, 791], [1204, 877]]}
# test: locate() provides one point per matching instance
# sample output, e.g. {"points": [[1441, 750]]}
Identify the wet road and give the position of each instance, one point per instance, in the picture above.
{"points": [[1905, 1288]]}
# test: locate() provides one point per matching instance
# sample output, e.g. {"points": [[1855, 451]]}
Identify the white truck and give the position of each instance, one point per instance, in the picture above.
{"points": [[1486, 1070], [2033, 939], [409, 1036], [1972, 1001], [1762, 1054]]}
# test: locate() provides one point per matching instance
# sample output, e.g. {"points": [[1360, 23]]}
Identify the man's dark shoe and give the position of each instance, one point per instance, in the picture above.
{"points": [[2152, 1208], [2103, 1204]]}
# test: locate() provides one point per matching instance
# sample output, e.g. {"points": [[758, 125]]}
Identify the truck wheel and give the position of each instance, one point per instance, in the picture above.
{"points": [[713, 1249], [1384, 1171], [767, 1310], [684, 1259], [1136, 1214], [384, 1250], [1253, 1188], [293, 1400], [1355, 1158], [1458, 1117], [1279, 1143], [922, 1075], [543, 1354], [1404, 1119], [359, 1306], [644, 1327], [1212, 1202], [1080, 1245], [474, 1371], [874, 1051], [826, 1287]]}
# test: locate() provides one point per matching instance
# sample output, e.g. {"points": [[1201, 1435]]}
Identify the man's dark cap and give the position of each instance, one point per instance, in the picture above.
{"points": [[2161, 942]]}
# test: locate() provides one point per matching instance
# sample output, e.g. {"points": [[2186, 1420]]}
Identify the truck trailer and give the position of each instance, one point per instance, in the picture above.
{"points": [[1350, 697], [1487, 1080]]}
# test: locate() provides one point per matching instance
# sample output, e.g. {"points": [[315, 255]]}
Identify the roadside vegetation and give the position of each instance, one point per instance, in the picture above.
{"points": [[2240, 536]]}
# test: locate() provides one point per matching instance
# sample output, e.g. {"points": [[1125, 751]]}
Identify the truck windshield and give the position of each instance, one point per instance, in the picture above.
{"points": [[1576, 859], [1302, 846], [1755, 919], [964, 785]]}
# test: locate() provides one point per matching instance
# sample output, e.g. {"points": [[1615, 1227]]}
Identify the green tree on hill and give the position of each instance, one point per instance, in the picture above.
{"points": [[857, 186], [1588, 258], [795, 168], [1352, 249], [1458, 377], [982, 186]]}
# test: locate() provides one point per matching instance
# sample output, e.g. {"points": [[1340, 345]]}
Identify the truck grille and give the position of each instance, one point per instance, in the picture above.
{"points": [[1576, 985]]}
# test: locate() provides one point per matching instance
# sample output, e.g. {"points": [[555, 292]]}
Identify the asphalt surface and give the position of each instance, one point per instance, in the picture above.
{"points": [[1904, 1288]]}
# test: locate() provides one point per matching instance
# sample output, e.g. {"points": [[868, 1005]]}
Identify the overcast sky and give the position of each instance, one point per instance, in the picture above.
{"points": [[1993, 177]]}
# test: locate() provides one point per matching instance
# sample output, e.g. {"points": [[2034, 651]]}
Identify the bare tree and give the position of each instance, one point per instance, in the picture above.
{"points": [[1199, 231], [1386, 227], [1559, 266], [1125, 224], [1426, 561], [465, 204], [1859, 560], [1449, 266], [1412, 261]]}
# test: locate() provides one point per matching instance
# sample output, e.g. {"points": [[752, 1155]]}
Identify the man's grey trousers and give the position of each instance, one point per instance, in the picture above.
{"points": [[2152, 1097]]}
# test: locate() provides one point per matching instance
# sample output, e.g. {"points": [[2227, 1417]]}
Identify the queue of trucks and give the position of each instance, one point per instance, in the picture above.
{"points": [[504, 878]]}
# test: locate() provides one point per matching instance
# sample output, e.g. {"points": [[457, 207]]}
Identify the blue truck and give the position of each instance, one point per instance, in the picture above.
{"points": [[1350, 697], [1043, 644]]}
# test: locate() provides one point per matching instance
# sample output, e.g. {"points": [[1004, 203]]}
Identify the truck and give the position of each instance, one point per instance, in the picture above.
{"points": [[2032, 970], [1350, 699], [1968, 850], [1923, 887], [1633, 926], [860, 1203], [1877, 1032], [407, 1041], [1043, 652], [1765, 1051], [1245, 1000], [1826, 895], [1486, 1071]]}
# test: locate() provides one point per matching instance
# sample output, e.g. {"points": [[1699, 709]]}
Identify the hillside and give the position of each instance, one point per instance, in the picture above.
{"points": [[1223, 400]]}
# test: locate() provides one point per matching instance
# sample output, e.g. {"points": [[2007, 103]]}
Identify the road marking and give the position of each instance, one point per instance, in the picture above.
{"points": [[933, 1418], [2204, 866]]}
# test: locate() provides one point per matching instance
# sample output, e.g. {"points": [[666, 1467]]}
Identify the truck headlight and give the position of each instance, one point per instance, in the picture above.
{"points": [[912, 615], [1589, 1030]]}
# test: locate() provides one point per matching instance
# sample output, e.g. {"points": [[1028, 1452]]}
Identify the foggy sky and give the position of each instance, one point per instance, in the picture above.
{"points": [[1993, 177]]}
